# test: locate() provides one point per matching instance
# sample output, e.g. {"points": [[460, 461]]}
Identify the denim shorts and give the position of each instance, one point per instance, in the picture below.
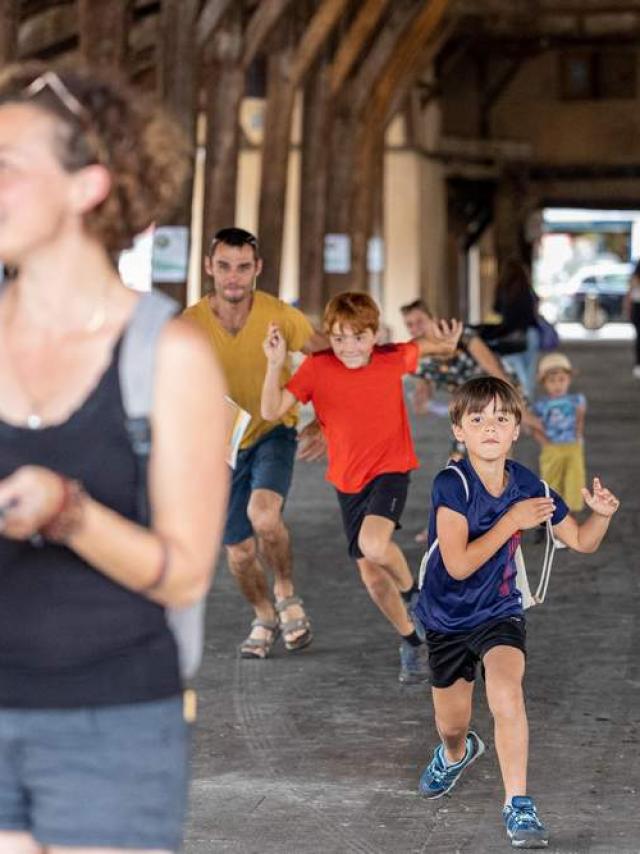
{"points": [[105, 776], [267, 464]]}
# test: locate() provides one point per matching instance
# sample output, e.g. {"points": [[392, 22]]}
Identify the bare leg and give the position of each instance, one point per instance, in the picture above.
{"points": [[17, 842], [377, 547], [384, 592], [384, 571], [452, 708], [245, 567], [274, 542], [265, 514], [504, 669]]}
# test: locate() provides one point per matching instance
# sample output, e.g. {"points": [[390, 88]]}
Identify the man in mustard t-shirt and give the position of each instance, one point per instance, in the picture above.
{"points": [[236, 316]]}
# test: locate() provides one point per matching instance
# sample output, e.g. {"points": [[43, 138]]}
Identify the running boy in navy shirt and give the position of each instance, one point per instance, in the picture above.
{"points": [[469, 603]]}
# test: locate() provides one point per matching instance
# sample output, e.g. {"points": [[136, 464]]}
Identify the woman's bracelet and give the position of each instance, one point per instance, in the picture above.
{"points": [[68, 515]]}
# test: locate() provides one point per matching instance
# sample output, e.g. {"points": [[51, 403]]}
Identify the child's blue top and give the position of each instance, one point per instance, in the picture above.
{"points": [[559, 416], [447, 605]]}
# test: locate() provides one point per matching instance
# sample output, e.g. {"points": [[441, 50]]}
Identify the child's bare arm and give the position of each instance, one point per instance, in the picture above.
{"points": [[461, 557], [587, 537], [275, 401], [580, 414]]}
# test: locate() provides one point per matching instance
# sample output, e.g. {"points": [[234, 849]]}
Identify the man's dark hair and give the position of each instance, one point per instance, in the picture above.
{"points": [[234, 237], [416, 305]]}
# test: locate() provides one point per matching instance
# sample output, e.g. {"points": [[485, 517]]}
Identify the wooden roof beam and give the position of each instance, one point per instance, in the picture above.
{"points": [[418, 43], [407, 58], [357, 94], [525, 8], [9, 18], [103, 31], [318, 30], [353, 43], [209, 19], [264, 19]]}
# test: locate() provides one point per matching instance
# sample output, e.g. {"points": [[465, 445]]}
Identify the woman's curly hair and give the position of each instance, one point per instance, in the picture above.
{"points": [[103, 120]]}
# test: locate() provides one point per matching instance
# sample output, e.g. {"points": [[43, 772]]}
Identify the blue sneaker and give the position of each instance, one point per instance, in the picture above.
{"points": [[414, 664], [524, 828], [438, 778]]}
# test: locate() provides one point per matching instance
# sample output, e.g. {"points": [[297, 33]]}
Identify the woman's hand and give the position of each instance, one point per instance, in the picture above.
{"points": [[601, 502], [29, 498]]}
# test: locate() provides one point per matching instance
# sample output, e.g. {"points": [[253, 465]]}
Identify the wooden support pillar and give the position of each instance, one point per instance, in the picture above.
{"points": [[404, 64], [511, 208], [314, 188], [223, 80], [103, 29], [287, 69], [342, 165], [327, 166], [349, 108], [9, 20], [176, 81], [275, 164]]}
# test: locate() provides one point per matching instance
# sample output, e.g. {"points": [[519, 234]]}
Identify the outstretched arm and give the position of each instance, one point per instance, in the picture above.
{"points": [[587, 537], [275, 400], [487, 360], [440, 339]]}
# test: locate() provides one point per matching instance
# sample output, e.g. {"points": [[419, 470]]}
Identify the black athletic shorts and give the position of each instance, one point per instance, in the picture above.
{"points": [[385, 495], [456, 656]]}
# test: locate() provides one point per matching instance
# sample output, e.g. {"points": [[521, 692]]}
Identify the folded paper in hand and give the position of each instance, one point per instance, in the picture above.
{"points": [[239, 420]]}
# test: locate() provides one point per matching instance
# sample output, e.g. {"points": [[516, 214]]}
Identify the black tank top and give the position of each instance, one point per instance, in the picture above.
{"points": [[69, 636]]}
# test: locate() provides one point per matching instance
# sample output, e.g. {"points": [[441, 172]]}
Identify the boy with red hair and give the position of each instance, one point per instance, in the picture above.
{"points": [[356, 391]]}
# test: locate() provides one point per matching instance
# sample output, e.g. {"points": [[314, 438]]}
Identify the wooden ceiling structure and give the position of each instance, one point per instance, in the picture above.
{"points": [[356, 61]]}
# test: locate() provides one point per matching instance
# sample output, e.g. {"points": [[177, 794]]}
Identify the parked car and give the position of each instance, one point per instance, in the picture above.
{"points": [[594, 295]]}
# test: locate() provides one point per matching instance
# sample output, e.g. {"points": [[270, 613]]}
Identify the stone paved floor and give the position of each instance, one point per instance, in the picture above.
{"points": [[319, 752]]}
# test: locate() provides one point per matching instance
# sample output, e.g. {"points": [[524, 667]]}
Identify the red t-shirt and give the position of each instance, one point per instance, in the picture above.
{"points": [[361, 411]]}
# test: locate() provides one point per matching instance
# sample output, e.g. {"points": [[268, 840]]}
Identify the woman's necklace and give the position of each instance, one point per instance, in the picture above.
{"points": [[95, 323]]}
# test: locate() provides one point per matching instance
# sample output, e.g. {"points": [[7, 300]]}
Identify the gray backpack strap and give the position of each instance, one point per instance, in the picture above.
{"points": [[434, 545], [137, 374]]}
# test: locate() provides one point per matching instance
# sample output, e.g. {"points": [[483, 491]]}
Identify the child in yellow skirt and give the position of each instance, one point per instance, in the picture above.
{"points": [[562, 415]]}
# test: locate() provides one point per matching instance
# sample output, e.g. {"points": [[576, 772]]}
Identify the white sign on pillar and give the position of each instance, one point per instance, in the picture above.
{"points": [[170, 261], [337, 253]]}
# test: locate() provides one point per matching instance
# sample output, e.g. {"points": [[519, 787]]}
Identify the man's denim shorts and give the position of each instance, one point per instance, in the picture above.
{"points": [[267, 464], [106, 776]]}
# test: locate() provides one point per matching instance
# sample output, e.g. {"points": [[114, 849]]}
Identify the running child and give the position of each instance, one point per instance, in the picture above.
{"points": [[469, 604], [562, 415], [356, 390]]}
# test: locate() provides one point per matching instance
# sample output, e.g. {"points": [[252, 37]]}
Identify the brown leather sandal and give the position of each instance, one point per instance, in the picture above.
{"points": [[290, 626], [260, 647]]}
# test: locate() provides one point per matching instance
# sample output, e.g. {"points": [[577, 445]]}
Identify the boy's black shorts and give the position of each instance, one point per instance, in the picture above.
{"points": [[385, 495], [456, 656]]}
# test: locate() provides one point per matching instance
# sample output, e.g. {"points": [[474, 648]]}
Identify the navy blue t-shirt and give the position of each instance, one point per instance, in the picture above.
{"points": [[447, 605]]}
